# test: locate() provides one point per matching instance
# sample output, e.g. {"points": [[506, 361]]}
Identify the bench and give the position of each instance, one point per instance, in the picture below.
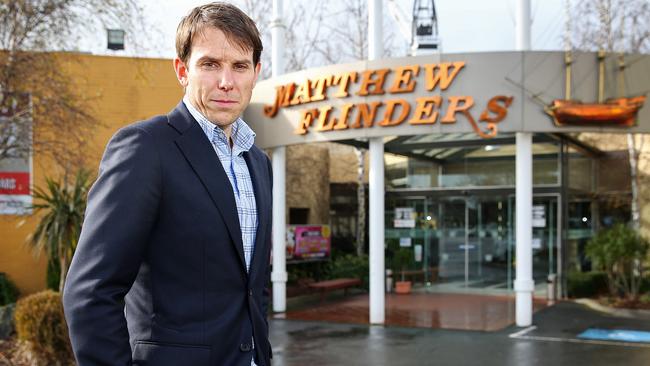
{"points": [[417, 273], [335, 284]]}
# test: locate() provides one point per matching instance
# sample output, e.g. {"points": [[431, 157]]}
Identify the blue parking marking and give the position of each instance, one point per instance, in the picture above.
{"points": [[620, 335]]}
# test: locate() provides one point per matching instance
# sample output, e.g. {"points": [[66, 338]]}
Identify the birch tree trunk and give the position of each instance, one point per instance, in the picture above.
{"points": [[361, 200], [633, 153]]}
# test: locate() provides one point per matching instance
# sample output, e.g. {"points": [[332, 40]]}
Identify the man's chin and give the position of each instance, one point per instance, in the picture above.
{"points": [[221, 120]]}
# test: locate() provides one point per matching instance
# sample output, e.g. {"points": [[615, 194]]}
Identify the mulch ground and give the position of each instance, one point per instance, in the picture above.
{"points": [[625, 303], [8, 349]]}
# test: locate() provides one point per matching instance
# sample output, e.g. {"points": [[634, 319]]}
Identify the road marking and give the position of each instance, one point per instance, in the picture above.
{"points": [[523, 332], [522, 335]]}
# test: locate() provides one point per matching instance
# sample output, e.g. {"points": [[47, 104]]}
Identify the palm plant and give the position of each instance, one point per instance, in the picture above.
{"points": [[58, 231]]}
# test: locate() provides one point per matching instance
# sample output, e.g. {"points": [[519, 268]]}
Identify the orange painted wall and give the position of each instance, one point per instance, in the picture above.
{"points": [[122, 90]]}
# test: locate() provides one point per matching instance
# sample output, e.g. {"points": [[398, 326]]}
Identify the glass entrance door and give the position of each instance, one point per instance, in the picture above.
{"points": [[466, 242], [545, 242], [474, 241], [411, 239]]}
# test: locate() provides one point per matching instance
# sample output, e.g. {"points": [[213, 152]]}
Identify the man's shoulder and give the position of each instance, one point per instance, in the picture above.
{"points": [[151, 125], [156, 127]]}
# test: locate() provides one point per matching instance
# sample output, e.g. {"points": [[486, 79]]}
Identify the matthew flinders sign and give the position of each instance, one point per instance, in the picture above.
{"points": [[481, 93]]}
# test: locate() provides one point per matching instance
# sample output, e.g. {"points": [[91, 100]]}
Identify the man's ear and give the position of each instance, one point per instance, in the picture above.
{"points": [[258, 68], [181, 71]]}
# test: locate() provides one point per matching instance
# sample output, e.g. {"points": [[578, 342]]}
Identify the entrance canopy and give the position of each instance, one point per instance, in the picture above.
{"points": [[481, 93]]}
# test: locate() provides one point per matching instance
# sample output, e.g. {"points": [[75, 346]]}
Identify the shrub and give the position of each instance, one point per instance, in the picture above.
{"points": [[619, 252], [645, 299], [306, 270], [41, 324], [7, 326], [8, 291], [350, 266], [586, 284]]}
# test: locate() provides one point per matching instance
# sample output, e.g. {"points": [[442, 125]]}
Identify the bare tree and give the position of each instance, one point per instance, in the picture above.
{"points": [[347, 34], [304, 24], [612, 25], [617, 27], [31, 31], [361, 200], [318, 35]]}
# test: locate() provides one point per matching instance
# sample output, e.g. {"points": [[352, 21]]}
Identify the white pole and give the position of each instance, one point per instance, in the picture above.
{"points": [[522, 24], [376, 176], [376, 215], [375, 36], [524, 284], [277, 39], [279, 274]]}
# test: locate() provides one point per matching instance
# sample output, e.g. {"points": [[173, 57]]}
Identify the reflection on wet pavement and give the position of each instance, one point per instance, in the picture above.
{"points": [[446, 311]]}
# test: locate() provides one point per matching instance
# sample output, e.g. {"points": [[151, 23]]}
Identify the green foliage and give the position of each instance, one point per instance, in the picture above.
{"points": [[350, 266], [403, 259], [40, 322], [586, 284], [53, 274], [619, 252], [306, 270], [63, 207], [8, 291], [645, 298]]}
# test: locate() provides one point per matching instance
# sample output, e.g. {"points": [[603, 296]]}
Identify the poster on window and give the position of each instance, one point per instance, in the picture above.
{"points": [[15, 159], [539, 216], [308, 242], [404, 217]]}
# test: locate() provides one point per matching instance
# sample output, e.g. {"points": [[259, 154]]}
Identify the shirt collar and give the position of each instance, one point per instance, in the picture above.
{"points": [[243, 136]]}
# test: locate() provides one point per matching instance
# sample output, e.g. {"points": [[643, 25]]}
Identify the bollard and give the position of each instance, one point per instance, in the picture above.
{"points": [[551, 288], [389, 280]]}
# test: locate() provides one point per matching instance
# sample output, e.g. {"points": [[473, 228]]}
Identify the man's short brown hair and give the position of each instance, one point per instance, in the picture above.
{"points": [[238, 27]]}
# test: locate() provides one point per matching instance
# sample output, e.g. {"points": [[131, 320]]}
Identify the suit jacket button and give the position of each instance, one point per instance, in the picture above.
{"points": [[250, 292], [245, 347]]}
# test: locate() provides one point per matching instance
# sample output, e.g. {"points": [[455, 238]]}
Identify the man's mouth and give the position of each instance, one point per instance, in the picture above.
{"points": [[225, 101]]}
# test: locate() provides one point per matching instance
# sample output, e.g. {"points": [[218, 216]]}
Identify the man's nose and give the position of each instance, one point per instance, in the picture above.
{"points": [[226, 80]]}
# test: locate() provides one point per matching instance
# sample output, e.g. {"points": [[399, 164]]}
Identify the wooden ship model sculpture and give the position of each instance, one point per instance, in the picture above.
{"points": [[620, 112]]}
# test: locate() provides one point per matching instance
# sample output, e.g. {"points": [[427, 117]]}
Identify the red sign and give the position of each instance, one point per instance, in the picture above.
{"points": [[14, 183]]}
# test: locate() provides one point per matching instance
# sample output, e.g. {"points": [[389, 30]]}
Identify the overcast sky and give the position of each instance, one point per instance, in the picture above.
{"points": [[464, 25]]}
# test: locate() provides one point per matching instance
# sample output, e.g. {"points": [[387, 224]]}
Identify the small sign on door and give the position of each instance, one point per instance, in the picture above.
{"points": [[539, 216], [404, 217]]}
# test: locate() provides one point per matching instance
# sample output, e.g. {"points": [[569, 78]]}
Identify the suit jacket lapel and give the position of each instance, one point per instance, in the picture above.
{"points": [[256, 168], [204, 161]]}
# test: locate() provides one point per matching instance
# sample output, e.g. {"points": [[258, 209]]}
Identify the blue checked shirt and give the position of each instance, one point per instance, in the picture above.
{"points": [[236, 169]]}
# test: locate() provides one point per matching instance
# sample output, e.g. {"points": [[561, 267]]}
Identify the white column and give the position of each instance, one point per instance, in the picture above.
{"points": [[524, 285], [279, 274], [376, 177], [376, 215]]}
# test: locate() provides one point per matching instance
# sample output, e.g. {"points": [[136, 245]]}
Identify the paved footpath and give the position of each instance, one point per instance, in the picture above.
{"points": [[551, 341]]}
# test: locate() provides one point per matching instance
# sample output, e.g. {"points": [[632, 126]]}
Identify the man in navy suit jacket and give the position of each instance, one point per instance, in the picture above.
{"points": [[172, 266]]}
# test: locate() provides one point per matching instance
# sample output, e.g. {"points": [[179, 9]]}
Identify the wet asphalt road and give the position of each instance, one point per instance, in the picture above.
{"points": [[552, 342]]}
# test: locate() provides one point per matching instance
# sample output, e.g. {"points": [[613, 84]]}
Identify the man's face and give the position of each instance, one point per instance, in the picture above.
{"points": [[219, 77]]}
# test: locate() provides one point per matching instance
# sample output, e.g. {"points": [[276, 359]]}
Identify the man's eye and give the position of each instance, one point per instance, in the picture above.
{"points": [[210, 64], [241, 66]]}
